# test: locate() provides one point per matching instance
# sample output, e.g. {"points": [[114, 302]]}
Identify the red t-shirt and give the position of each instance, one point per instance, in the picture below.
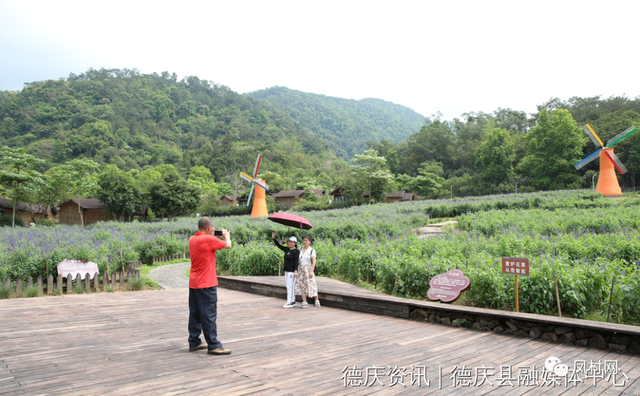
{"points": [[202, 248]]}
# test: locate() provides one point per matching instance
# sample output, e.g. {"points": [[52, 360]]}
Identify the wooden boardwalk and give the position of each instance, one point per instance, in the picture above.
{"points": [[135, 343]]}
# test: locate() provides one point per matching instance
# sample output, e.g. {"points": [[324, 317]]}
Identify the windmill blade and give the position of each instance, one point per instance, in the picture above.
{"points": [[250, 192], [616, 162], [246, 177], [588, 159], [255, 170], [592, 135], [263, 185], [622, 135]]}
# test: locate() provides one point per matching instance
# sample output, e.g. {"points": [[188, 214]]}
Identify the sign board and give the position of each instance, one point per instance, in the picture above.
{"points": [[75, 267], [447, 287], [515, 266]]}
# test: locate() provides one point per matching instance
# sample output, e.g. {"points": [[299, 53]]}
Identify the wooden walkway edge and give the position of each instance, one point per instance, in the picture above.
{"points": [[342, 295]]}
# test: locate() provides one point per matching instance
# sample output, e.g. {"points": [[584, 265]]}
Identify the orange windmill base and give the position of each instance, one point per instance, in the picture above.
{"points": [[607, 181], [260, 202]]}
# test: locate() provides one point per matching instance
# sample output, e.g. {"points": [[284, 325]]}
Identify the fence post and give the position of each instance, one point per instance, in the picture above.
{"points": [[96, 281], [59, 282], [87, 282], [69, 284], [78, 280], [113, 280], [19, 286], [49, 284], [105, 281], [29, 282], [40, 284], [121, 280], [7, 283]]}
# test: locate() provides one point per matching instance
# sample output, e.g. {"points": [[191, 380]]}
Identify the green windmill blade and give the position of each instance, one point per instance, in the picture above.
{"points": [[622, 135]]}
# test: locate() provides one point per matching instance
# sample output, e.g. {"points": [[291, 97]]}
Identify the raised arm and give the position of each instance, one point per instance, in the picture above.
{"points": [[283, 248]]}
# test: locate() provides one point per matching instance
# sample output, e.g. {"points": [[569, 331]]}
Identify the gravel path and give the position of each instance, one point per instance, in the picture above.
{"points": [[171, 276]]}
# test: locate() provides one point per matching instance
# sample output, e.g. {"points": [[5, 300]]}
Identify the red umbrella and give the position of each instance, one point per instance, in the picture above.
{"points": [[291, 220]]}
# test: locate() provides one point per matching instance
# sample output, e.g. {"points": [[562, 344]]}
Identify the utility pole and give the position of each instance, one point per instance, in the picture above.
{"points": [[451, 191], [516, 188]]}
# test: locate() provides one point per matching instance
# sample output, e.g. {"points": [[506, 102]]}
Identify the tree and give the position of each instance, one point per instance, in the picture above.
{"points": [[118, 190], [494, 158], [371, 177], [19, 177], [173, 196], [434, 142], [554, 145], [201, 176], [428, 183]]}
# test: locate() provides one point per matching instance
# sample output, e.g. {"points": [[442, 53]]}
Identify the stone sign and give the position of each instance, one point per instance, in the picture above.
{"points": [[447, 287], [515, 266], [74, 267]]}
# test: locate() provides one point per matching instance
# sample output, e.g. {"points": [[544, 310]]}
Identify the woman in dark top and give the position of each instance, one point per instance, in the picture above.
{"points": [[291, 256]]}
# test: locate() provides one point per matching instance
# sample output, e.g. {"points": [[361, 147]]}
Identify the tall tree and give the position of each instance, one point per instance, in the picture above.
{"points": [[495, 157], [19, 175], [173, 196], [119, 191], [371, 177], [553, 146]]}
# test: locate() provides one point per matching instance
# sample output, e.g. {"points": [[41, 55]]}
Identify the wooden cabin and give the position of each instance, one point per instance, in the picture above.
{"points": [[291, 197], [27, 212], [400, 196], [84, 212], [339, 196], [228, 200]]}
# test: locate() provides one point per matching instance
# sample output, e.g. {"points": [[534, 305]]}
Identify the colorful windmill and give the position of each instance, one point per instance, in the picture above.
{"points": [[607, 181], [260, 203]]}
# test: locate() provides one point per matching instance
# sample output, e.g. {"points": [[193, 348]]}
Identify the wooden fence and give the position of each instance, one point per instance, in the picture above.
{"points": [[66, 285], [164, 259]]}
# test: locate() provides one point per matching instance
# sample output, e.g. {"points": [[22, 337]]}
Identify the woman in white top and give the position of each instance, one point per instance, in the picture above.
{"points": [[306, 281]]}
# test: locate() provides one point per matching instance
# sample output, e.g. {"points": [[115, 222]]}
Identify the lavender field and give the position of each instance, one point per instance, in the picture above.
{"points": [[577, 236]]}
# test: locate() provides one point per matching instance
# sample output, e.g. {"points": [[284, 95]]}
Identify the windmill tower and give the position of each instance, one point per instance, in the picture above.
{"points": [[607, 181], [260, 202]]}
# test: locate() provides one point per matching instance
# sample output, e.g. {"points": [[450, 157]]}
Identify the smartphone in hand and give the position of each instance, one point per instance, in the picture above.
{"points": [[217, 233]]}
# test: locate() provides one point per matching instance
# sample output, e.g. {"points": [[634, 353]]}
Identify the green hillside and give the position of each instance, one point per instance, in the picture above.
{"points": [[137, 121], [346, 124]]}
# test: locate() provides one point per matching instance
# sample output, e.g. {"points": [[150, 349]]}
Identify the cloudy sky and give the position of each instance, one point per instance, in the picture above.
{"points": [[447, 56]]}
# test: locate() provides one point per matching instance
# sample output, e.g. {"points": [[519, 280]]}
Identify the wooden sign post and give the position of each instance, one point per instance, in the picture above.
{"points": [[517, 266]]}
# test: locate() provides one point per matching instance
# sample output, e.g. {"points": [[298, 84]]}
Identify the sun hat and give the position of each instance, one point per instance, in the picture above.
{"points": [[292, 238]]}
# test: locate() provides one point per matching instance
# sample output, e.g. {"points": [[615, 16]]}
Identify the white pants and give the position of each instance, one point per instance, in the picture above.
{"points": [[291, 298]]}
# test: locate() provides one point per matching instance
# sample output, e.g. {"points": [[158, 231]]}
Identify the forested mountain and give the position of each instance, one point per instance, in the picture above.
{"points": [[136, 121], [346, 124]]}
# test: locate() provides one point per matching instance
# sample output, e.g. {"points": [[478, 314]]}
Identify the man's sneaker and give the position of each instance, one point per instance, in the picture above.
{"points": [[289, 305], [219, 351], [195, 348], [317, 303], [304, 305]]}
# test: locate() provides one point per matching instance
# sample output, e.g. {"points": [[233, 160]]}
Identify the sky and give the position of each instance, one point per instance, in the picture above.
{"points": [[432, 56]]}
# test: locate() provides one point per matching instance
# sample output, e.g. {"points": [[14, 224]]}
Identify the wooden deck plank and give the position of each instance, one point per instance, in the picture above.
{"points": [[135, 343]]}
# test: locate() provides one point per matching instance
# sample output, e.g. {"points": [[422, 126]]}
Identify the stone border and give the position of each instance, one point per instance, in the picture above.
{"points": [[563, 333]]}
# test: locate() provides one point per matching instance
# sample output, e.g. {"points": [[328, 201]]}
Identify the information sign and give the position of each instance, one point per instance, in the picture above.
{"points": [[447, 287], [75, 267], [515, 266]]}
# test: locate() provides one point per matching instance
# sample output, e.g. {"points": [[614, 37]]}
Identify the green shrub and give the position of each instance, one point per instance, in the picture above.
{"points": [[31, 292], [135, 284], [6, 221], [79, 289], [44, 222], [5, 292]]}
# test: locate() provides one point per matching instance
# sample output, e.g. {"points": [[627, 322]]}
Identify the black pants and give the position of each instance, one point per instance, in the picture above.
{"points": [[202, 317]]}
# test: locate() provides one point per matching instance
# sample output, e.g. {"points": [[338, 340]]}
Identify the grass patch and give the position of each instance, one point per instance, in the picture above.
{"points": [[5, 292], [79, 289], [135, 284], [56, 292], [31, 292], [110, 289]]}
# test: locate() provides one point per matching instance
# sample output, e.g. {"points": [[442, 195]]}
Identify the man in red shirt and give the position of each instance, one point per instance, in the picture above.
{"points": [[203, 282]]}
